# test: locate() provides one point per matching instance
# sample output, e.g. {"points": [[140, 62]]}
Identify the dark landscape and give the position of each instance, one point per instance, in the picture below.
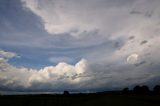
{"points": [[139, 96]]}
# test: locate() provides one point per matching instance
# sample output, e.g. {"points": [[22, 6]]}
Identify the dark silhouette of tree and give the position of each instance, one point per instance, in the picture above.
{"points": [[141, 89], [156, 89], [125, 90], [145, 89], [66, 93], [137, 89]]}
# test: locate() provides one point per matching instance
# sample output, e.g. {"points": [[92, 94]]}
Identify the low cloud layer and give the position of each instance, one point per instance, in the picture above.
{"points": [[14, 77], [79, 77]]}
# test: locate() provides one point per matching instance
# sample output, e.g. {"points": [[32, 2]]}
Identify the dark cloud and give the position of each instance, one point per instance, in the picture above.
{"points": [[135, 12], [131, 37], [141, 63], [143, 42], [117, 45], [146, 14], [149, 13]]}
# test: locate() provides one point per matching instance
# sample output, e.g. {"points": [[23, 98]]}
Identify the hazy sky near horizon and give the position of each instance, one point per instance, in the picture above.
{"points": [[78, 45]]}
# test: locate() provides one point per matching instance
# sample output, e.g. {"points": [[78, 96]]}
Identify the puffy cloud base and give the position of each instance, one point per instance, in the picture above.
{"points": [[79, 77], [13, 77]]}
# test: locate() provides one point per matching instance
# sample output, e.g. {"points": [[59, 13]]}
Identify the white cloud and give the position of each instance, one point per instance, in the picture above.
{"points": [[11, 76], [7, 55], [109, 17], [76, 17], [132, 59], [82, 75]]}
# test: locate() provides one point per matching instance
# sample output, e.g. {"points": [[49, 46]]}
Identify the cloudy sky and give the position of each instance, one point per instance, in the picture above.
{"points": [[78, 45]]}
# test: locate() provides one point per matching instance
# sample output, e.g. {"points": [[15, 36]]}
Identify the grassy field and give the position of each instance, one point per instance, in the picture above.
{"points": [[80, 100]]}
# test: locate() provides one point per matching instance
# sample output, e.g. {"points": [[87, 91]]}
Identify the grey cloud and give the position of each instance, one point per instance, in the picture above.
{"points": [[135, 12], [7, 55], [141, 63], [143, 42], [131, 37], [147, 14]]}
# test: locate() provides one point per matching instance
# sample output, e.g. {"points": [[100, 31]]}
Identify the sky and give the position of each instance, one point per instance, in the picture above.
{"points": [[78, 45]]}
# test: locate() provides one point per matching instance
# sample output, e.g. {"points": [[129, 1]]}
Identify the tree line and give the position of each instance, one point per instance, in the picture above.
{"points": [[144, 89]]}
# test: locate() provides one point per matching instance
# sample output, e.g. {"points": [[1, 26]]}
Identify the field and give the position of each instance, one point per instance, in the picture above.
{"points": [[80, 100]]}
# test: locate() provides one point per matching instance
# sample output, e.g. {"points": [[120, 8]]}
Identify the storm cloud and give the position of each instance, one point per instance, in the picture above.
{"points": [[81, 45]]}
